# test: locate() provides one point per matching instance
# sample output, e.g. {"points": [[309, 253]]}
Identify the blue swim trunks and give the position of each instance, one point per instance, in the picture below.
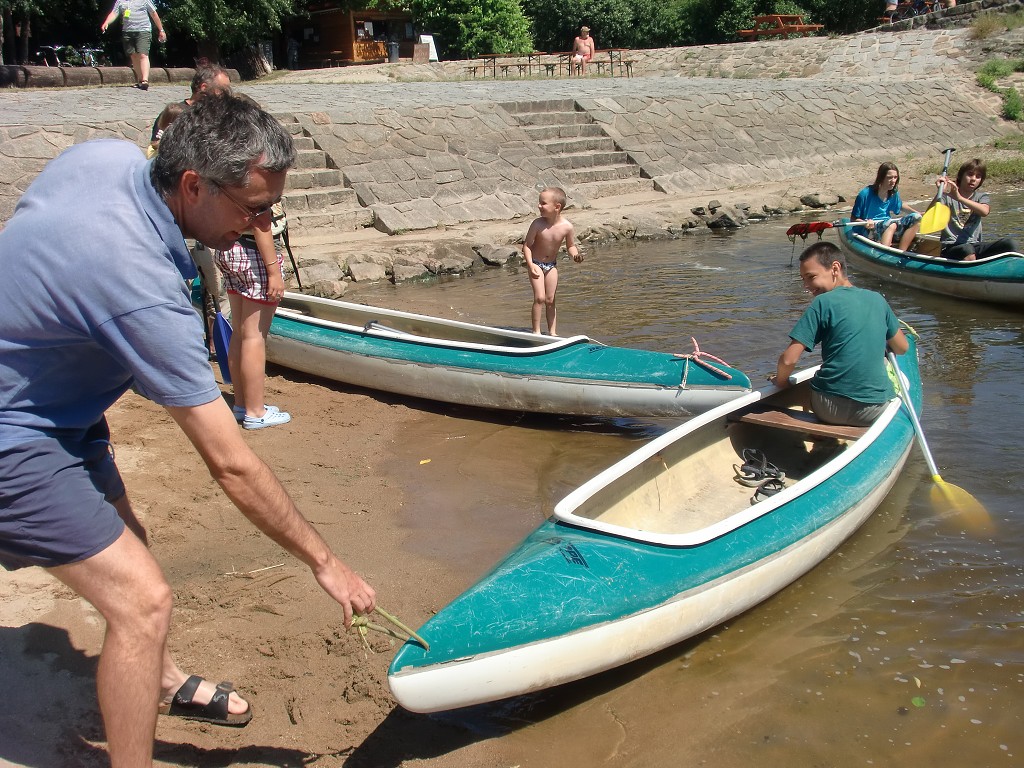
{"points": [[546, 266], [55, 500]]}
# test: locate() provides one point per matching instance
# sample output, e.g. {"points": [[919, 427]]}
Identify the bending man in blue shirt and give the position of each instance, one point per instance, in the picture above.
{"points": [[94, 303]]}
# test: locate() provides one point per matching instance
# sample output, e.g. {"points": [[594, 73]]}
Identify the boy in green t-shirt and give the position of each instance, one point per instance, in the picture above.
{"points": [[854, 327]]}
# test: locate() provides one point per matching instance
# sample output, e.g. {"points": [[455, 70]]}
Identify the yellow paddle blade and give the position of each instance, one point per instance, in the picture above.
{"points": [[935, 218], [951, 499]]}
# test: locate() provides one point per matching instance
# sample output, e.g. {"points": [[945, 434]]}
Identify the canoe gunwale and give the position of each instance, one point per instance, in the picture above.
{"points": [[939, 260], [393, 334], [564, 509]]}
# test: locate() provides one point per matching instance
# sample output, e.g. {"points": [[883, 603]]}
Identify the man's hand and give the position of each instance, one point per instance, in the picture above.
{"points": [[355, 596]]}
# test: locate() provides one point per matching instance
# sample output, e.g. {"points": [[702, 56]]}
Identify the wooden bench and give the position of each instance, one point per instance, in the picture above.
{"points": [[779, 25], [795, 420]]}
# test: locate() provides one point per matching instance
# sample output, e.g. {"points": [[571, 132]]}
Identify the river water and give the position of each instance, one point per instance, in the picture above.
{"points": [[905, 647]]}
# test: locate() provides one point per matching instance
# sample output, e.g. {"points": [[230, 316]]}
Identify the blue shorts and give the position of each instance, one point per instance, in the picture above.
{"points": [[902, 225], [55, 500]]}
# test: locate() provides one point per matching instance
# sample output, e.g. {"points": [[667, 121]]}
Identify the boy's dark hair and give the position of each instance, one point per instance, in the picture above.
{"points": [[557, 195], [977, 164], [825, 253], [883, 171]]}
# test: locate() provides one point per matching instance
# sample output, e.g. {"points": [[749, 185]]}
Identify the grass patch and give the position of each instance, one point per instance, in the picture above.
{"points": [[986, 26], [995, 24], [1015, 143], [1006, 171], [1014, 20], [997, 69], [1013, 105]]}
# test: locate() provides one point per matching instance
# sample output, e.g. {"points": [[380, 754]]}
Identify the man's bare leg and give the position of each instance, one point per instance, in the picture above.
{"points": [[126, 586], [171, 676]]}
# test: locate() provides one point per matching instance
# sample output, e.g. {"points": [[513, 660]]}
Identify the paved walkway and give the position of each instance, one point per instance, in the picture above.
{"points": [[95, 105]]}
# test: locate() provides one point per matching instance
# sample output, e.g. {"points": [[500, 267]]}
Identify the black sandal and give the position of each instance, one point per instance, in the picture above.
{"points": [[756, 469], [215, 711], [768, 489]]}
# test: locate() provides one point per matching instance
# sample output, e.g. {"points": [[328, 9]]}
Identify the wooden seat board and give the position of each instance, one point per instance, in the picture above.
{"points": [[797, 421]]}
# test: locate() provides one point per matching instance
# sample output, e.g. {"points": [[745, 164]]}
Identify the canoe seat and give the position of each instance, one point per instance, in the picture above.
{"points": [[796, 421]]}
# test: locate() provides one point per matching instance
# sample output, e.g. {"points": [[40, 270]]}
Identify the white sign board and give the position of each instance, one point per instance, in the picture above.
{"points": [[429, 40]]}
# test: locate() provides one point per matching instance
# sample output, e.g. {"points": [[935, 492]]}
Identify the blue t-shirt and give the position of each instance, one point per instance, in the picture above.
{"points": [[93, 297], [869, 205], [852, 325]]}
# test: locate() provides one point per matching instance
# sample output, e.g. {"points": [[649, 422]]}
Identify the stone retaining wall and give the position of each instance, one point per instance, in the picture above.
{"points": [[418, 167], [19, 76], [739, 136]]}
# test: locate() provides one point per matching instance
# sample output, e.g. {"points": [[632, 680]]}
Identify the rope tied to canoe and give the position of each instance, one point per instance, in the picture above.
{"points": [[701, 358]]}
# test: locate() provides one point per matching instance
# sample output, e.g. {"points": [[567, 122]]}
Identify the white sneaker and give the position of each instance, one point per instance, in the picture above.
{"points": [[268, 419], [239, 411]]}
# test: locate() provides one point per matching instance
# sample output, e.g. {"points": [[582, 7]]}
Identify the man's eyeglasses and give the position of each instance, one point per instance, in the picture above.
{"points": [[251, 214]]}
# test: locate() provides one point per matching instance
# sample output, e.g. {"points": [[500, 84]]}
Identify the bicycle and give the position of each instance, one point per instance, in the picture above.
{"points": [[58, 55], [908, 9], [47, 53], [88, 57]]}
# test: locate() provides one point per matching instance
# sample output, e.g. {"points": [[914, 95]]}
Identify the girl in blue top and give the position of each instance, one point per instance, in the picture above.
{"points": [[881, 207]]}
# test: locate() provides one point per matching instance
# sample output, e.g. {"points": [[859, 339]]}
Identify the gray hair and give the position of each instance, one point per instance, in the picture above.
{"points": [[206, 73], [222, 139]]}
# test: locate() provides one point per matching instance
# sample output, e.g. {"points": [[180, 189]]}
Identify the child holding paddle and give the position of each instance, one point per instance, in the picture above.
{"points": [[880, 206], [855, 327], [968, 205]]}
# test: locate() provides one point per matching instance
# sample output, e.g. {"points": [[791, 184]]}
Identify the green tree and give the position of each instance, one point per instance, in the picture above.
{"points": [[69, 22], [467, 28], [613, 23], [229, 26]]}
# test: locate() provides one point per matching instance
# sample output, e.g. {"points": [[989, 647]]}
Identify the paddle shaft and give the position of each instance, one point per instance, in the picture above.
{"points": [[936, 216], [905, 396]]}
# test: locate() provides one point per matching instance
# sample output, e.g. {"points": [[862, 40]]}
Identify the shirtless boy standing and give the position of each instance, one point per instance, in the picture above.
{"points": [[543, 241]]}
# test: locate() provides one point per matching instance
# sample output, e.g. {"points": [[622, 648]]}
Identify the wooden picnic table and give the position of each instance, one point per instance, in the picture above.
{"points": [[615, 60], [779, 25], [492, 58]]}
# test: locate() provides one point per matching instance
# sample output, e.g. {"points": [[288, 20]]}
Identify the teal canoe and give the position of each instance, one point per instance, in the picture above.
{"points": [[658, 548], [488, 367], [996, 279]]}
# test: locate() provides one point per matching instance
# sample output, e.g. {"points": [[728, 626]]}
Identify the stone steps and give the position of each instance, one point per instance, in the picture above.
{"points": [[588, 159], [553, 118], [582, 176], [592, 159], [315, 197], [619, 187], [568, 146], [575, 131]]}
